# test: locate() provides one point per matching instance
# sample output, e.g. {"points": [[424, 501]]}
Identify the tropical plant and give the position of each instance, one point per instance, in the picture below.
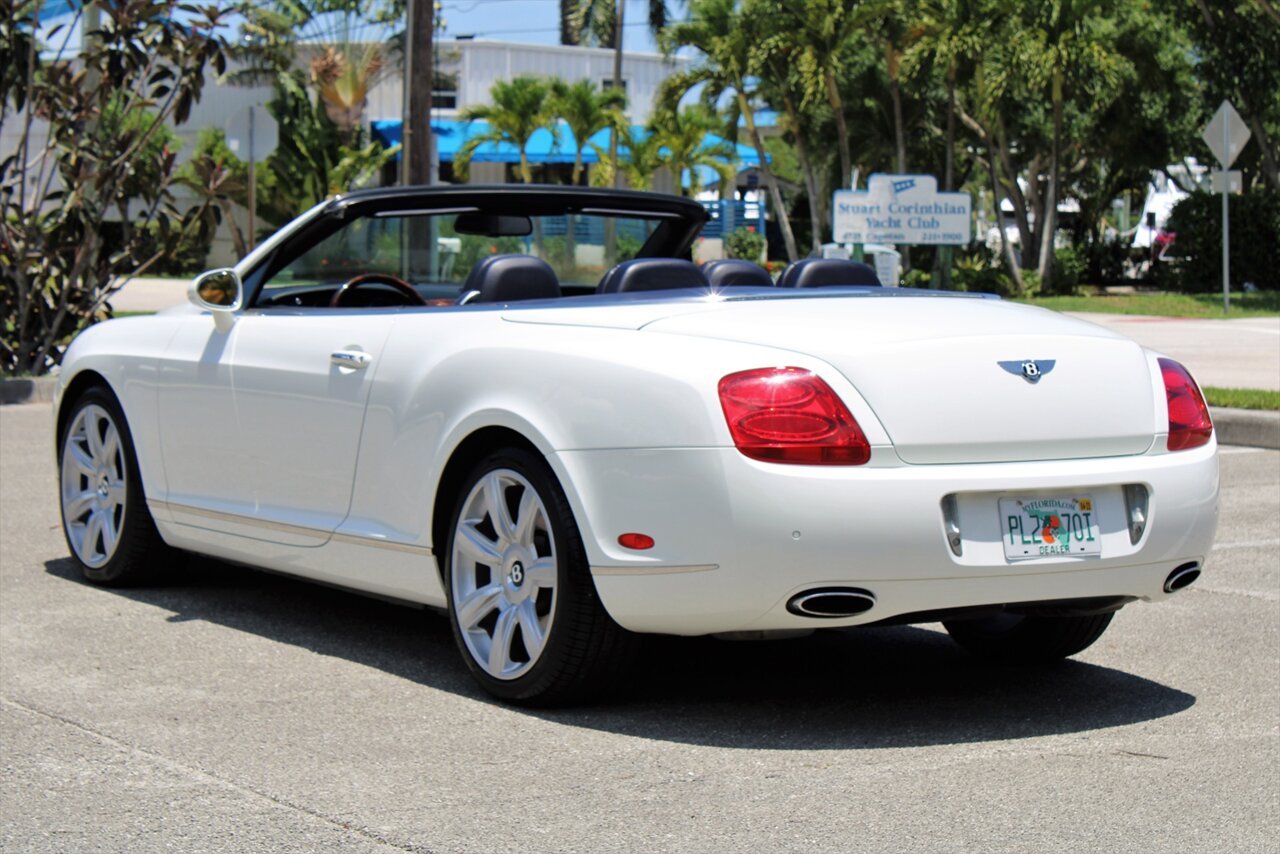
{"points": [[686, 146], [220, 180], [81, 145], [744, 243], [587, 110], [520, 108], [728, 45], [642, 152], [596, 21]]}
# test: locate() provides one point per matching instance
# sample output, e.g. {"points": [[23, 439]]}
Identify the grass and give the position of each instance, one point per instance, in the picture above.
{"points": [[1242, 398], [1164, 304]]}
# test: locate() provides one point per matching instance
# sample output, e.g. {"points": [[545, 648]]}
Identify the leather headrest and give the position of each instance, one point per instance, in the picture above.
{"points": [[652, 274], [509, 278], [728, 272], [826, 272]]}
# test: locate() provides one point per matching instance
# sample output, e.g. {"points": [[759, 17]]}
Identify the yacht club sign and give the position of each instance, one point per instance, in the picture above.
{"points": [[901, 209]]}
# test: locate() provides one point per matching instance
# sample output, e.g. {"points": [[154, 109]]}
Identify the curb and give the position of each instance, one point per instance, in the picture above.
{"points": [[38, 390], [1246, 427], [1234, 426]]}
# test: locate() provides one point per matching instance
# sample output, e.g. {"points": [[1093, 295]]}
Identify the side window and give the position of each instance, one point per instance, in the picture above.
{"points": [[365, 245], [399, 246]]}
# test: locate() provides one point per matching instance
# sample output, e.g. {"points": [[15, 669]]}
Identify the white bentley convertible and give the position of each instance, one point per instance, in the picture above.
{"points": [[447, 397]]}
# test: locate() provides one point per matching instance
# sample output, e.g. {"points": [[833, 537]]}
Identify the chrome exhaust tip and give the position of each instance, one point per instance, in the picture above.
{"points": [[1183, 576], [832, 602]]}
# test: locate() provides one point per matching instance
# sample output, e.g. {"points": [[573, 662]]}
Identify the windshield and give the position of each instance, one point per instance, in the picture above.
{"points": [[436, 251]]}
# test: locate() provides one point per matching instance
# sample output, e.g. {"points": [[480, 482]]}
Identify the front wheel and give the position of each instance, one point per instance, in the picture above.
{"points": [[522, 604], [1025, 638], [104, 512]]}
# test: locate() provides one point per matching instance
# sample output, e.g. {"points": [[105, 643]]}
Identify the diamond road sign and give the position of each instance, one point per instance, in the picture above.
{"points": [[1226, 135]]}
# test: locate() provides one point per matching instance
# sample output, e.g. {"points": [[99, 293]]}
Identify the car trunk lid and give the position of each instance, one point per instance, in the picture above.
{"points": [[945, 376]]}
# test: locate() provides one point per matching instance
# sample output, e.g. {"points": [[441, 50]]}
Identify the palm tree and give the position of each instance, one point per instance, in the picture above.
{"points": [[587, 111], [947, 33], [596, 20], [684, 148], [1071, 51], [728, 41], [520, 108], [822, 30]]}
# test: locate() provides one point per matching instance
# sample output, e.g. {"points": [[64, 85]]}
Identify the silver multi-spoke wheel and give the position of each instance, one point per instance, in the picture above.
{"points": [[503, 574], [94, 485]]}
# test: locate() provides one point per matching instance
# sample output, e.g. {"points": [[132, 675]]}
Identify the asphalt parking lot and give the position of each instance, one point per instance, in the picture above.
{"points": [[233, 710]]}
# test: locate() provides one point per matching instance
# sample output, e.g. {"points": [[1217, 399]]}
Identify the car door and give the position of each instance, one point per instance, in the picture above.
{"points": [[263, 434], [260, 425]]}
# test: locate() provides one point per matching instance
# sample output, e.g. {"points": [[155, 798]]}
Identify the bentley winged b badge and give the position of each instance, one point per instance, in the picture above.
{"points": [[1030, 370]]}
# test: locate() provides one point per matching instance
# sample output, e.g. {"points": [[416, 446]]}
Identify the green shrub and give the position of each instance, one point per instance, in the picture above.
{"points": [[981, 272], [1255, 246], [915, 278], [744, 243], [1069, 265]]}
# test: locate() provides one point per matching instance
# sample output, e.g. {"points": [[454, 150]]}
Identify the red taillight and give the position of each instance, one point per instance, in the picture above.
{"points": [[1189, 422], [789, 415]]}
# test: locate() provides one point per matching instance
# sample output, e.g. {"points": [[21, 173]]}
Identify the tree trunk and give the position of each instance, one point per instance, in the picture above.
{"points": [[842, 131], [775, 195], [892, 61], [806, 167], [419, 77], [1270, 168], [942, 260], [1006, 247], [1019, 201], [1051, 200]]}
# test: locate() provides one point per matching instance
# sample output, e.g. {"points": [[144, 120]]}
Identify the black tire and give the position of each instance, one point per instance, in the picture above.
{"points": [[583, 649], [1027, 639], [138, 555]]}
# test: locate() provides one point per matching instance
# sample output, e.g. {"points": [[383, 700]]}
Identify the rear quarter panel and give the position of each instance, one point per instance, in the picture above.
{"points": [[561, 387]]}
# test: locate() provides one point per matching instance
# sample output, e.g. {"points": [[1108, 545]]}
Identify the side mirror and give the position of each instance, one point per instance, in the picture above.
{"points": [[219, 292]]}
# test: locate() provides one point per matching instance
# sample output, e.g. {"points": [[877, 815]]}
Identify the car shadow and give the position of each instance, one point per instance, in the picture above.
{"points": [[836, 689]]}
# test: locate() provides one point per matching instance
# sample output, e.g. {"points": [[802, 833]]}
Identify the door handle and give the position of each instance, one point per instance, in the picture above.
{"points": [[353, 359]]}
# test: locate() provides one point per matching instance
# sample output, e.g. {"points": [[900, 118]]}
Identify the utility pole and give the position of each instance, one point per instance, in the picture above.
{"points": [[415, 127], [611, 227]]}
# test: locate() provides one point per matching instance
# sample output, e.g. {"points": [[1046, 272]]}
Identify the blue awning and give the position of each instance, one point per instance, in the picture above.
{"points": [[543, 147]]}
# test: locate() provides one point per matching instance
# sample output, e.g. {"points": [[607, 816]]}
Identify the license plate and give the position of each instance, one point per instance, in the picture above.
{"points": [[1050, 526]]}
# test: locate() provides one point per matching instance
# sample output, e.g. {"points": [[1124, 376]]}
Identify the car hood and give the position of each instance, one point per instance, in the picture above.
{"points": [[931, 369]]}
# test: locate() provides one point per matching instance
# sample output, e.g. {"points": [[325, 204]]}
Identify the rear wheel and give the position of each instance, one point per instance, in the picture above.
{"points": [[1024, 638], [104, 513], [522, 603]]}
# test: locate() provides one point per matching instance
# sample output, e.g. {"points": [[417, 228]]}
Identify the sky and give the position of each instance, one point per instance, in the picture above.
{"points": [[537, 21], [528, 21]]}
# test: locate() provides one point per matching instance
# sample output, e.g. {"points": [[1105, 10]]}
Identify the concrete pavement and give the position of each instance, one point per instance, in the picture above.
{"points": [[232, 710]]}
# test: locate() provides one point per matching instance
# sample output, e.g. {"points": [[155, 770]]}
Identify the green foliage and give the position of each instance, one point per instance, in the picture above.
{"points": [[312, 161], [520, 107], [1242, 398], [683, 146], [1069, 265], [1255, 249], [628, 247], [219, 178], [981, 272], [587, 111], [744, 243], [1166, 304], [106, 157]]}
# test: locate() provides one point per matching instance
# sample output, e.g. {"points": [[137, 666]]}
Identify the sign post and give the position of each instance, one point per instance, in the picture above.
{"points": [[254, 132], [1226, 135]]}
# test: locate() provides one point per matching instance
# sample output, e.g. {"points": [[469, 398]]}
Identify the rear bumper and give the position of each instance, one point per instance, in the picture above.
{"points": [[736, 539]]}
